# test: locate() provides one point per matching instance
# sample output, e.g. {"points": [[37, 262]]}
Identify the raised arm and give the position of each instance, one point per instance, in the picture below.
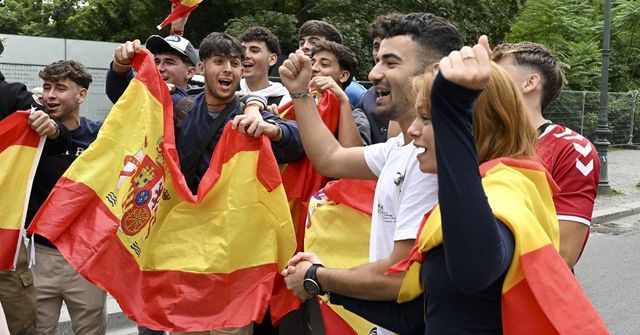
{"points": [[478, 248], [120, 73], [327, 155]]}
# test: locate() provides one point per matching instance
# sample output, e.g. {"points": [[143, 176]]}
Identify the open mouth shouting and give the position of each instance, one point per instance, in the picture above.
{"points": [[383, 95], [225, 84]]}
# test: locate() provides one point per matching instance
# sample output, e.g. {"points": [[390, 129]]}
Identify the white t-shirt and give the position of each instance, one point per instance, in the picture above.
{"points": [[397, 211]]}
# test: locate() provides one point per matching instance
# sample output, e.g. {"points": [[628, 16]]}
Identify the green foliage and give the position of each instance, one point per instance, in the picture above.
{"points": [[574, 30], [282, 25], [569, 27], [121, 20]]}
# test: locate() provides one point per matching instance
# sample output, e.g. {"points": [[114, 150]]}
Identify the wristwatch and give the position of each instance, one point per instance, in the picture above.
{"points": [[310, 283]]}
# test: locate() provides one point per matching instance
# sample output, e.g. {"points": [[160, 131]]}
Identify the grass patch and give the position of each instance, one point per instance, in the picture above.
{"points": [[613, 193]]}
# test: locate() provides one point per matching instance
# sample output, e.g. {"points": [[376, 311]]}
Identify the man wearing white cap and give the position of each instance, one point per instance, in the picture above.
{"points": [[175, 57]]}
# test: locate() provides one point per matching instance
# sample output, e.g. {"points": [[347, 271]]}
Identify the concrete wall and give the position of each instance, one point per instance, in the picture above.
{"points": [[25, 56]]}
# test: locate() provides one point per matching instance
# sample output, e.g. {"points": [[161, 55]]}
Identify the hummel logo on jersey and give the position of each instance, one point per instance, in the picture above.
{"points": [[583, 150], [566, 132], [584, 169]]}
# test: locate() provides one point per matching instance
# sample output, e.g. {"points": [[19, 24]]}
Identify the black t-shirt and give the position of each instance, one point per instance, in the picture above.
{"points": [[52, 166]]}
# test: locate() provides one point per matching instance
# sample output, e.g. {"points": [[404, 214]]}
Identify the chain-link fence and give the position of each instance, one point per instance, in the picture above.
{"points": [[579, 110], [95, 107]]}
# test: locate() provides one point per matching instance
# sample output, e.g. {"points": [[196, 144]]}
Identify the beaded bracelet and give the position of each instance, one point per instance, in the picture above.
{"points": [[300, 95]]}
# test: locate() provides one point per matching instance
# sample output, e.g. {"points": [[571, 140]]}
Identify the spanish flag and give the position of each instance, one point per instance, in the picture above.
{"points": [[180, 8], [300, 179], [338, 230], [540, 295], [20, 149], [124, 217]]}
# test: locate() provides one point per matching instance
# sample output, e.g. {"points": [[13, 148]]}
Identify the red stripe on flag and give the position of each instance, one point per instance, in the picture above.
{"points": [[14, 130], [198, 301], [355, 193], [333, 323], [559, 293], [8, 238], [521, 315], [177, 12]]}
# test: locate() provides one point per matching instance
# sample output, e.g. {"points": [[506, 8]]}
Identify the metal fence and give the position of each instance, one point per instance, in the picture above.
{"points": [[95, 107], [578, 110]]}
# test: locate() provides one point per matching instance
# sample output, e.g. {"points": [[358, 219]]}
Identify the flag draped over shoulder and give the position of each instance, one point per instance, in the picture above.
{"points": [[20, 149], [123, 216], [300, 179], [180, 8], [337, 231], [540, 295]]}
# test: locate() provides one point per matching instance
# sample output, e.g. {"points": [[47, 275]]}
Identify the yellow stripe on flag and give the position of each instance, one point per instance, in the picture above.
{"points": [[222, 224], [15, 182], [190, 3], [339, 235]]}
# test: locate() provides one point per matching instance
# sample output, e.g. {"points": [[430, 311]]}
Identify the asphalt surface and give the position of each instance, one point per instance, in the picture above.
{"points": [[609, 272]]}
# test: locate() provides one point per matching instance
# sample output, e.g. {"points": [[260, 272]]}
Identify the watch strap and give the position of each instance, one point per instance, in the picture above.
{"points": [[311, 274]]}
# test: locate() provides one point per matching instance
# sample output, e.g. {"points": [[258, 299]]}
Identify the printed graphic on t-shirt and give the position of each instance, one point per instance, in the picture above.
{"points": [[387, 218]]}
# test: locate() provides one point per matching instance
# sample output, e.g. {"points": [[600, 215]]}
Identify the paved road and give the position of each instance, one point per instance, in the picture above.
{"points": [[609, 271]]}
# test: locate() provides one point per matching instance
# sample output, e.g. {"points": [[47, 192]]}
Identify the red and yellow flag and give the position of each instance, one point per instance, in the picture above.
{"points": [[300, 179], [540, 295], [123, 216], [20, 149], [180, 8], [338, 230]]}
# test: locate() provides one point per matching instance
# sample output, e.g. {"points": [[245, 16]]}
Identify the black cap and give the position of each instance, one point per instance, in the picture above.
{"points": [[178, 43]]}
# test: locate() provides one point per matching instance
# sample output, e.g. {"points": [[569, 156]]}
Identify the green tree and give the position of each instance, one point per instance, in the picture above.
{"points": [[568, 27], [282, 25], [626, 45]]}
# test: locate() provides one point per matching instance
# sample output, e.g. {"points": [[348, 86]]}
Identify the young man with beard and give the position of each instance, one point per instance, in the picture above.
{"points": [[65, 88], [412, 44], [175, 57], [570, 158], [379, 127], [262, 50], [16, 286], [313, 31]]}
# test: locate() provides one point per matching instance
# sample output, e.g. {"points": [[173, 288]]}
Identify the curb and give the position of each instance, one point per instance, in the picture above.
{"points": [[615, 212]]}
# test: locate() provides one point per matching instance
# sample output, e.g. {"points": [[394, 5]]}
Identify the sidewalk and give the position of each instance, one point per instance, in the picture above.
{"points": [[624, 179]]}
